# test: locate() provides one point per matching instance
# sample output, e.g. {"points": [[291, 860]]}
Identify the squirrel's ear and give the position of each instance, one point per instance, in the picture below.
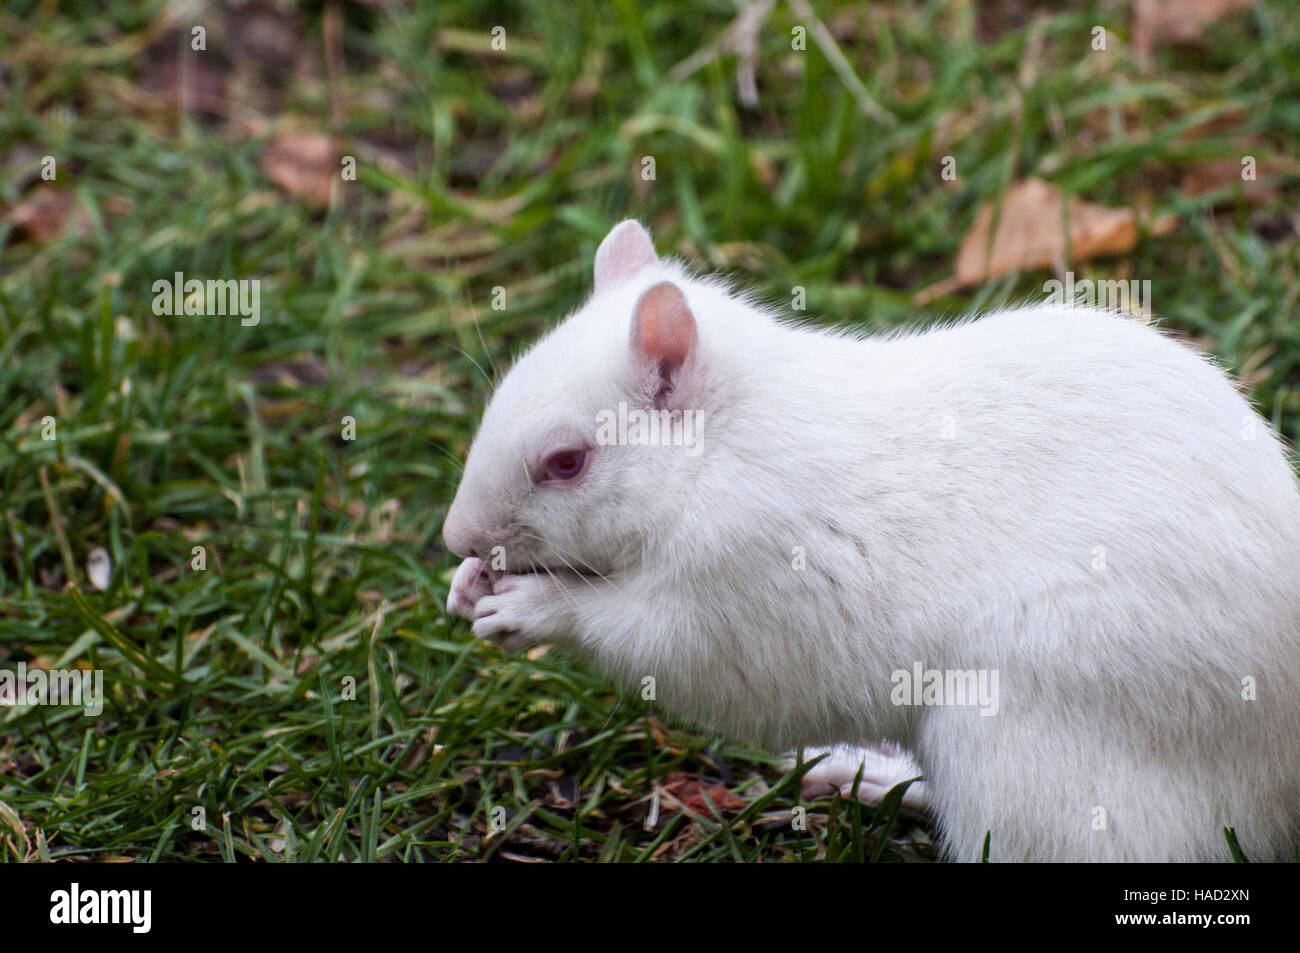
{"points": [[663, 333], [625, 251]]}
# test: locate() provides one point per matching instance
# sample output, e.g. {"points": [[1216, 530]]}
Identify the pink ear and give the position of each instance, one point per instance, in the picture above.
{"points": [[663, 328], [625, 251]]}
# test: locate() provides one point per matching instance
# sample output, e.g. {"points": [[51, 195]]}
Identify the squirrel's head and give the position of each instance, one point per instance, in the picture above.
{"points": [[596, 429]]}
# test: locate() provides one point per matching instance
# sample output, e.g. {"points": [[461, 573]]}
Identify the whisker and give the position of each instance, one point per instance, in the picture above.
{"points": [[589, 568], [581, 575], [450, 456], [564, 590], [490, 382], [496, 373]]}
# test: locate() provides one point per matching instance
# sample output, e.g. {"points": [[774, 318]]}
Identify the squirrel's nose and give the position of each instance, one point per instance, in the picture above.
{"points": [[458, 534]]}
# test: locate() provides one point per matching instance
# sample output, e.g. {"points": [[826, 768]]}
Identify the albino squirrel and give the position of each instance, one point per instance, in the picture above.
{"points": [[1050, 551]]}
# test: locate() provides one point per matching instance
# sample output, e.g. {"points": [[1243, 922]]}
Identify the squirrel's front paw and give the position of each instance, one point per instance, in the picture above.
{"points": [[522, 610], [471, 583]]}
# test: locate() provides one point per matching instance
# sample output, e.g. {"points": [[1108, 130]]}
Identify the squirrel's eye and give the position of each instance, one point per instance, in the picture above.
{"points": [[565, 465]]}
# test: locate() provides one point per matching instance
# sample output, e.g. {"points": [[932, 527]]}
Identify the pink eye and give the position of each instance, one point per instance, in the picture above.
{"points": [[565, 465]]}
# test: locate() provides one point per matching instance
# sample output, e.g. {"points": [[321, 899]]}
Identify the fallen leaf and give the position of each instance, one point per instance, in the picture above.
{"points": [[304, 164], [691, 792], [1212, 175], [44, 213], [1177, 21], [1030, 234], [276, 412], [276, 843], [185, 81], [303, 369]]}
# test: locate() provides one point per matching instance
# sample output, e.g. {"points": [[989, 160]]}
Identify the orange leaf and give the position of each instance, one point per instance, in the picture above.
{"points": [[304, 164], [44, 213], [1177, 21], [1212, 175], [691, 792], [1030, 234]]}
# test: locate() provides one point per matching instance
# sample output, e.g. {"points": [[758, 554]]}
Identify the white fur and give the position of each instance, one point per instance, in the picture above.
{"points": [[882, 767], [1122, 733]]}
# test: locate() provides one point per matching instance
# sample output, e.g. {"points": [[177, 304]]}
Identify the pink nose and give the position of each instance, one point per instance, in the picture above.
{"points": [[457, 533]]}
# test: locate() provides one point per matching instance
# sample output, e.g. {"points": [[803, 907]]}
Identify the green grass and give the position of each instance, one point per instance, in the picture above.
{"points": [[479, 170]]}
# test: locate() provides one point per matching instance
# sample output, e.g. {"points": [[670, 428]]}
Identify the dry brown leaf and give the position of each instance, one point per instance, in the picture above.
{"points": [[691, 791], [304, 369], [1177, 21], [189, 83], [1030, 234], [44, 213], [1211, 175], [304, 164]]}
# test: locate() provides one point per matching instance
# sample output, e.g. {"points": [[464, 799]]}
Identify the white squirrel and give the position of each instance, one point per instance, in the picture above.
{"points": [[1062, 503]]}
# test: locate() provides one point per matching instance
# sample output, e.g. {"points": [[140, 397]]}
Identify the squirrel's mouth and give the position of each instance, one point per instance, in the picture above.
{"points": [[585, 572]]}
